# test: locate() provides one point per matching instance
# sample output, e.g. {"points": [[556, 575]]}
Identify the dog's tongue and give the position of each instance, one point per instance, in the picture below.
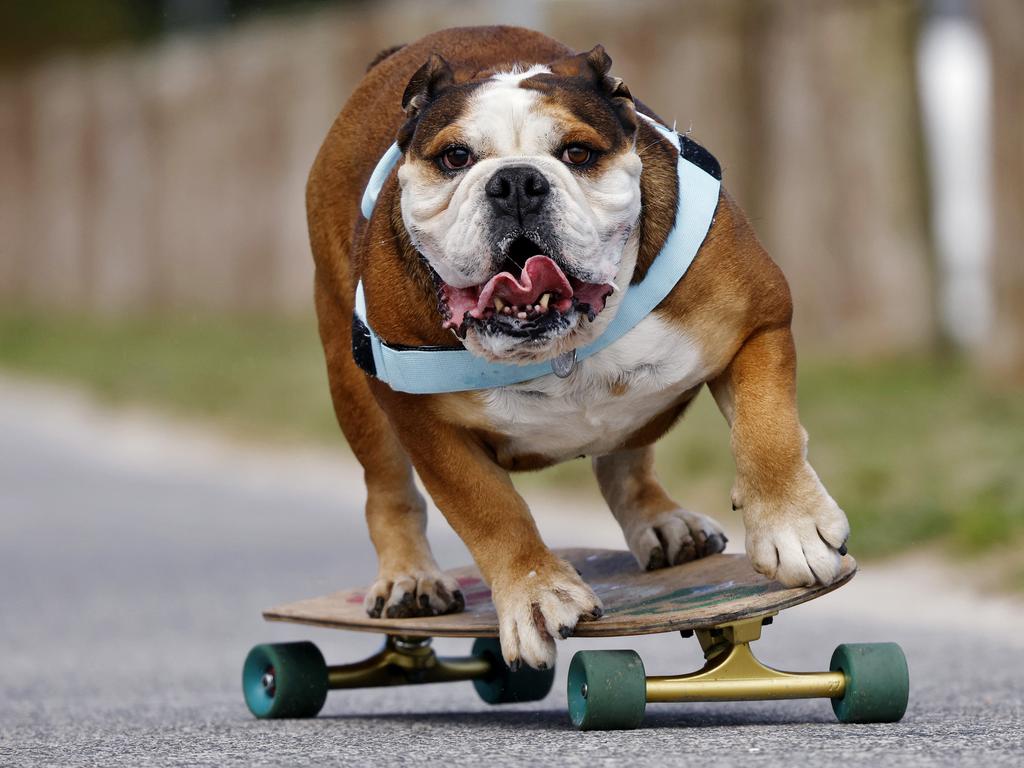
{"points": [[540, 275]]}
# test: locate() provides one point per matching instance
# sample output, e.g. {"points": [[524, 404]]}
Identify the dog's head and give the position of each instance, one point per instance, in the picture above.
{"points": [[521, 190]]}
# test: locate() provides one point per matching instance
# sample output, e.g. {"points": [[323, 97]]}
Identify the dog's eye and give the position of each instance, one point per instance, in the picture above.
{"points": [[577, 154], [456, 158]]}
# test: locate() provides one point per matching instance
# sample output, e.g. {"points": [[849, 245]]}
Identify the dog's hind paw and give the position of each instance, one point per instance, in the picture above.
{"points": [[414, 593], [674, 537]]}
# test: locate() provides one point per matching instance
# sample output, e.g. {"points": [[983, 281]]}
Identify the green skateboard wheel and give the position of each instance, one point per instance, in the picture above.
{"points": [[285, 680], [607, 690], [877, 682], [505, 686]]}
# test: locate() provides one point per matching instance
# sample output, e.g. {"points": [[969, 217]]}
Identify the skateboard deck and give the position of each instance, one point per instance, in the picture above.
{"points": [[704, 593]]}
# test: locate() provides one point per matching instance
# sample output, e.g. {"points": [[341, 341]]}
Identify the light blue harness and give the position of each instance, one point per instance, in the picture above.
{"points": [[429, 370]]}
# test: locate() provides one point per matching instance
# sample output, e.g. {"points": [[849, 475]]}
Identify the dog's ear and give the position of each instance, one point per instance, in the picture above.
{"points": [[428, 81], [593, 66], [424, 86]]}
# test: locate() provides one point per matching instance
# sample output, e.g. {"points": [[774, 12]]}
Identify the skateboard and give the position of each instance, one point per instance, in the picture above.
{"points": [[720, 599]]}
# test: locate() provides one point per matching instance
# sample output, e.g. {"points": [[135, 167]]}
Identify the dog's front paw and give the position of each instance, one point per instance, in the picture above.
{"points": [[674, 537], [415, 592], [798, 540], [539, 605]]}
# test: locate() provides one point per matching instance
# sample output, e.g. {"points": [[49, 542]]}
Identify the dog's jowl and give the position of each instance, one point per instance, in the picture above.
{"points": [[488, 215]]}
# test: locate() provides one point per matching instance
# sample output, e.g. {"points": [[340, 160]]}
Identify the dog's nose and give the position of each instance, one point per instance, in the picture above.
{"points": [[518, 190]]}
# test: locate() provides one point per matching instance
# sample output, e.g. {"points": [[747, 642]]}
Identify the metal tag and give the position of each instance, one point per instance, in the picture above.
{"points": [[563, 365]]}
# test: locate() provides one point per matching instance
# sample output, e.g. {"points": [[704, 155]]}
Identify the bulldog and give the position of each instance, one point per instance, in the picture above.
{"points": [[531, 192]]}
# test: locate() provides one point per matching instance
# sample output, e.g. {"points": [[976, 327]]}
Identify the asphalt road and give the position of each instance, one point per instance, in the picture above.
{"points": [[134, 562]]}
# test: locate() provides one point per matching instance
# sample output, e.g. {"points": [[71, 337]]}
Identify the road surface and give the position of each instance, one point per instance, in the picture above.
{"points": [[135, 557]]}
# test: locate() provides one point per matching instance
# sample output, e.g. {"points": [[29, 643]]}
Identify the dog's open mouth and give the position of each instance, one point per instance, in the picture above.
{"points": [[541, 298]]}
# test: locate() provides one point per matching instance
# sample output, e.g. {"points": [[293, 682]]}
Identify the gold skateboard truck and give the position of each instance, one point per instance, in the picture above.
{"points": [[866, 682]]}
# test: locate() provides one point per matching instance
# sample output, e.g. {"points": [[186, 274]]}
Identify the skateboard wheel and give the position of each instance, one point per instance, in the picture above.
{"points": [[505, 686], [877, 682], [607, 690], [285, 680]]}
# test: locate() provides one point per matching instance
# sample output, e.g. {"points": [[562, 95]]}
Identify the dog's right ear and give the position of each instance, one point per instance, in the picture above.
{"points": [[429, 80], [424, 86]]}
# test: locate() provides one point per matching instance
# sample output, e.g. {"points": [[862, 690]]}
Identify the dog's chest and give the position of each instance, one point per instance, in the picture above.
{"points": [[609, 396]]}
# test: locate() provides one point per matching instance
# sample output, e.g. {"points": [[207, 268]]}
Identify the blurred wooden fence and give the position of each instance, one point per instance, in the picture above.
{"points": [[1003, 353], [172, 176]]}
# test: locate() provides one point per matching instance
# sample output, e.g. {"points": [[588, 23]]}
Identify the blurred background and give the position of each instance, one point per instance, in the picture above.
{"points": [[153, 246]]}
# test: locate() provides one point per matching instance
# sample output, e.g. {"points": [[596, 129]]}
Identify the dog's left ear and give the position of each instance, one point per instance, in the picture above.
{"points": [[594, 65]]}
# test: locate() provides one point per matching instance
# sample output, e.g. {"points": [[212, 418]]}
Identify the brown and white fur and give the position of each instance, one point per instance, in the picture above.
{"points": [[513, 96]]}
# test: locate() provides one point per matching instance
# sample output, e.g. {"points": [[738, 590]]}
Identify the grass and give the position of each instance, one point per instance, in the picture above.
{"points": [[258, 377], [915, 450]]}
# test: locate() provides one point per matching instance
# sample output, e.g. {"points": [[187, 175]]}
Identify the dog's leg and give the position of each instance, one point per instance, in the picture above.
{"points": [[409, 581], [658, 531], [538, 596], [795, 531]]}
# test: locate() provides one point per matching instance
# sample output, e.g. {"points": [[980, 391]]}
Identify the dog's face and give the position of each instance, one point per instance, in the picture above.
{"points": [[522, 192]]}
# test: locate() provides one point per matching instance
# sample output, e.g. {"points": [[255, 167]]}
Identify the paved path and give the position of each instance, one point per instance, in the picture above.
{"points": [[135, 558]]}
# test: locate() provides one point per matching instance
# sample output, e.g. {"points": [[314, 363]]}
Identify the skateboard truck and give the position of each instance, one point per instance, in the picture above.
{"points": [[866, 682], [407, 661], [733, 673]]}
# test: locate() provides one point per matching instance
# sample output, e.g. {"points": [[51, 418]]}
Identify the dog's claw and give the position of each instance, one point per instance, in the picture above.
{"points": [[378, 606], [404, 608], [657, 559], [715, 543]]}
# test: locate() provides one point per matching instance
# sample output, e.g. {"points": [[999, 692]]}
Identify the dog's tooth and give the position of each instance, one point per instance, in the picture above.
{"points": [[544, 301], [498, 304], [536, 307], [521, 315]]}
